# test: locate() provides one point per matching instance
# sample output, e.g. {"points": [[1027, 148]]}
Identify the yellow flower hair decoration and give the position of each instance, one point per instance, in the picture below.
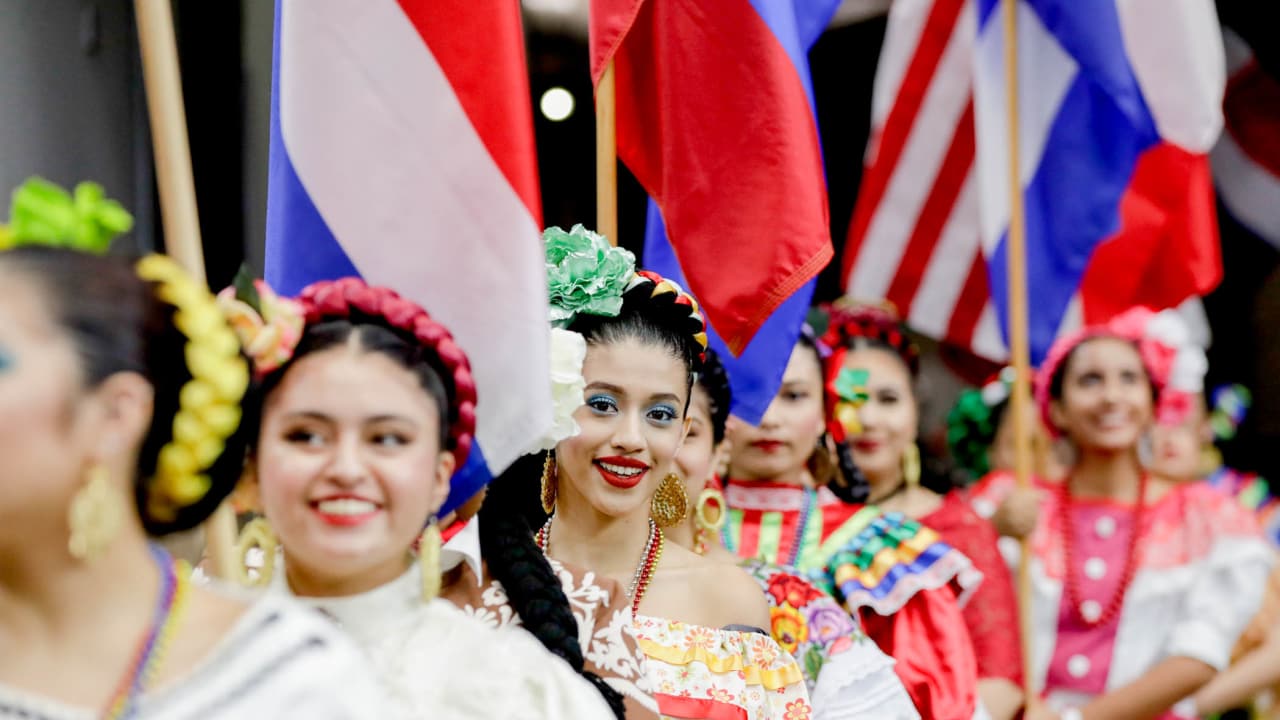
{"points": [[208, 404]]}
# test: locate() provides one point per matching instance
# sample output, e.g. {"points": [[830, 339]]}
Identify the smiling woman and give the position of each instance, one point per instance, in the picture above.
{"points": [[611, 489], [362, 425]]}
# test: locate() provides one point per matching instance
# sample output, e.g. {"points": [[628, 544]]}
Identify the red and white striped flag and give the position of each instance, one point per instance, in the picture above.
{"points": [[915, 238]]}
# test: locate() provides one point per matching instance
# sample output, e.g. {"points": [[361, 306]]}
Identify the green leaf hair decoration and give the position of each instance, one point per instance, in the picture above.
{"points": [[41, 213], [585, 274]]}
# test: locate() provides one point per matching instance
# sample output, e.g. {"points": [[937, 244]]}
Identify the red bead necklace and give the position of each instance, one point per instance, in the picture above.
{"points": [[649, 559], [1130, 564]]}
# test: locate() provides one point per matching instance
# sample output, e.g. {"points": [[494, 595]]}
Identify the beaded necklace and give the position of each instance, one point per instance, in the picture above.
{"points": [[806, 510], [175, 587], [649, 560], [1130, 564]]}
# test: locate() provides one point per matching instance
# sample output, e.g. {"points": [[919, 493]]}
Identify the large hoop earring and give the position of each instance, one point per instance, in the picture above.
{"points": [[257, 535], [549, 472], [911, 465], [670, 503], [95, 516], [708, 528], [429, 561]]}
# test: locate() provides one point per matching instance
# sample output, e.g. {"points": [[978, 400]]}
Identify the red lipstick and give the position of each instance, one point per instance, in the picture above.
{"points": [[622, 472]]}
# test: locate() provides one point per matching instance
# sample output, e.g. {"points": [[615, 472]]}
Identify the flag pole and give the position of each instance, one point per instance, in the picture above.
{"points": [[1019, 344], [177, 198], [607, 156]]}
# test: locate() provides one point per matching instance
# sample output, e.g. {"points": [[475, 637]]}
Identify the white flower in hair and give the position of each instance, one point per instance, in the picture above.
{"points": [[1186, 373], [568, 352]]}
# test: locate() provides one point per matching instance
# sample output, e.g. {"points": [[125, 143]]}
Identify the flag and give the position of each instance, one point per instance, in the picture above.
{"points": [[1246, 160], [714, 118], [1119, 105], [402, 151], [756, 371]]}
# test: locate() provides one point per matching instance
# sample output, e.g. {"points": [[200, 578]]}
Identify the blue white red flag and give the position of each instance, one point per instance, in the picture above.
{"points": [[1246, 160], [755, 372], [1120, 101], [715, 119], [402, 151]]}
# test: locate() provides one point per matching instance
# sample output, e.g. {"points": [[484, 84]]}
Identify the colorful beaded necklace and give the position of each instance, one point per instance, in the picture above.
{"points": [[175, 587], [797, 545], [649, 559], [1071, 582]]}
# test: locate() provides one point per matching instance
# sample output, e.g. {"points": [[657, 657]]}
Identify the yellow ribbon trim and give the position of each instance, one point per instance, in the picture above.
{"points": [[775, 679]]}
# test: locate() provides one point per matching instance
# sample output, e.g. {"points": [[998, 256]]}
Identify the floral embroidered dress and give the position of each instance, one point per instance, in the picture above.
{"points": [[599, 606], [703, 672], [898, 577], [847, 674], [1200, 566]]}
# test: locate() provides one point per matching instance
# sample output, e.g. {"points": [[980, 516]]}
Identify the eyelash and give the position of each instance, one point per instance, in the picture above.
{"points": [[661, 415], [668, 412]]}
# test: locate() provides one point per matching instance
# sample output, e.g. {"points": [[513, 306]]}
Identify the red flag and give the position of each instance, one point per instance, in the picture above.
{"points": [[716, 123]]}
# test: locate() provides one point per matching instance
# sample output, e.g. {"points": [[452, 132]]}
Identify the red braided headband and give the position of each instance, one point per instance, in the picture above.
{"points": [[331, 299], [849, 322]]}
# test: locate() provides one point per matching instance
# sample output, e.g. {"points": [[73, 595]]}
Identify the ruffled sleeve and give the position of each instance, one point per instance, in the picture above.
{"points": [[1229, 584], [935, 661], [702, 672]]}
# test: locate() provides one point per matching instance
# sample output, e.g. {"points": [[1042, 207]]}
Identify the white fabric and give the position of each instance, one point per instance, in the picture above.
{"points": [[404, 181], [279, 661], [464, 546], [1196, 610], [860, 684], [436, 662]]}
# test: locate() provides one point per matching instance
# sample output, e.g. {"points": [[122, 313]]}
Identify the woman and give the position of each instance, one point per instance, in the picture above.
{"points": [[363, 422], [611, 490], [120, 391], [898, 577], [847, 675], [884, 447], [1168, 571]]}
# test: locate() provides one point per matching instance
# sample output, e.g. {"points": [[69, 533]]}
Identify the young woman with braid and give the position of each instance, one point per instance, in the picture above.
{"points": [[120, 390], [610, 489], [848, 676], [792, 503], [366, 411]]}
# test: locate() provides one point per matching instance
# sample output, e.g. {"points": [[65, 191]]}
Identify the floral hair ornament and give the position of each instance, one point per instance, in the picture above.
{"points": [[568, 388], [585, 274], [848, 390], [971, 424], [269, 326], [41, 213], [350, 297], [1175, 364], [848, 320], [1231, 404], [208, 404]]}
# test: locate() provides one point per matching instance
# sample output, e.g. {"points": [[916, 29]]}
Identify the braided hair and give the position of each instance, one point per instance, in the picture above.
{"points": [[518, 564], [714, 379]]}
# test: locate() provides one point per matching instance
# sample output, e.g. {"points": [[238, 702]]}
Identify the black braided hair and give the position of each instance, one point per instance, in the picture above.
{"points": [[715, 381], [516, 562], [846, 481]]}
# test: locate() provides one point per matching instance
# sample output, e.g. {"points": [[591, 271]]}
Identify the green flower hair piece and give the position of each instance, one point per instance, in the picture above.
{"points": [[585, 274], [972, 425], [41, 213], [851, 385]]}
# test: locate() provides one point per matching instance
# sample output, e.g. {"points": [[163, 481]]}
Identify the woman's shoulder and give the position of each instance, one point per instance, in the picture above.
{"points": [[712, 593]]}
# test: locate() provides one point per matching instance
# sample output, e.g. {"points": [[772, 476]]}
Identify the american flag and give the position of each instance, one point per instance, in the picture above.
{"points": [[915, 238]]}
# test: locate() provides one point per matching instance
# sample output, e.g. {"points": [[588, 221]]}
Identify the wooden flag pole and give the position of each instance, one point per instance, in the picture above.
{"points": [[178, 199], [607, 156], [1019, 345]]}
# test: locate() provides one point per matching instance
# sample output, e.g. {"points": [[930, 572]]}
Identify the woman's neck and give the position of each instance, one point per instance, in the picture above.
{"points": [[884, 487], [306, 583], [1106, 475], [796, 476], [587, 538], [683, 534], [48, 597]]}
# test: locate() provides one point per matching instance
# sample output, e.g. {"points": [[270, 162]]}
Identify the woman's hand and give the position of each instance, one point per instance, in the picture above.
{"points": [[1016, 517]]}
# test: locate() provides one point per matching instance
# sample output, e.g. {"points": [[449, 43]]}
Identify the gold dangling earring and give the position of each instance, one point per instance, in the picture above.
{"points": [[549, 471], [429, 561], [95, 516], [708, 527], [670, 503], [257, 534], [911, 465]]}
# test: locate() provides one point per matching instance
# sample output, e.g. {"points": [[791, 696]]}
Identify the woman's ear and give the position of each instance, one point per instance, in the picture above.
{"points": [[125, 402], [446, 463]]}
